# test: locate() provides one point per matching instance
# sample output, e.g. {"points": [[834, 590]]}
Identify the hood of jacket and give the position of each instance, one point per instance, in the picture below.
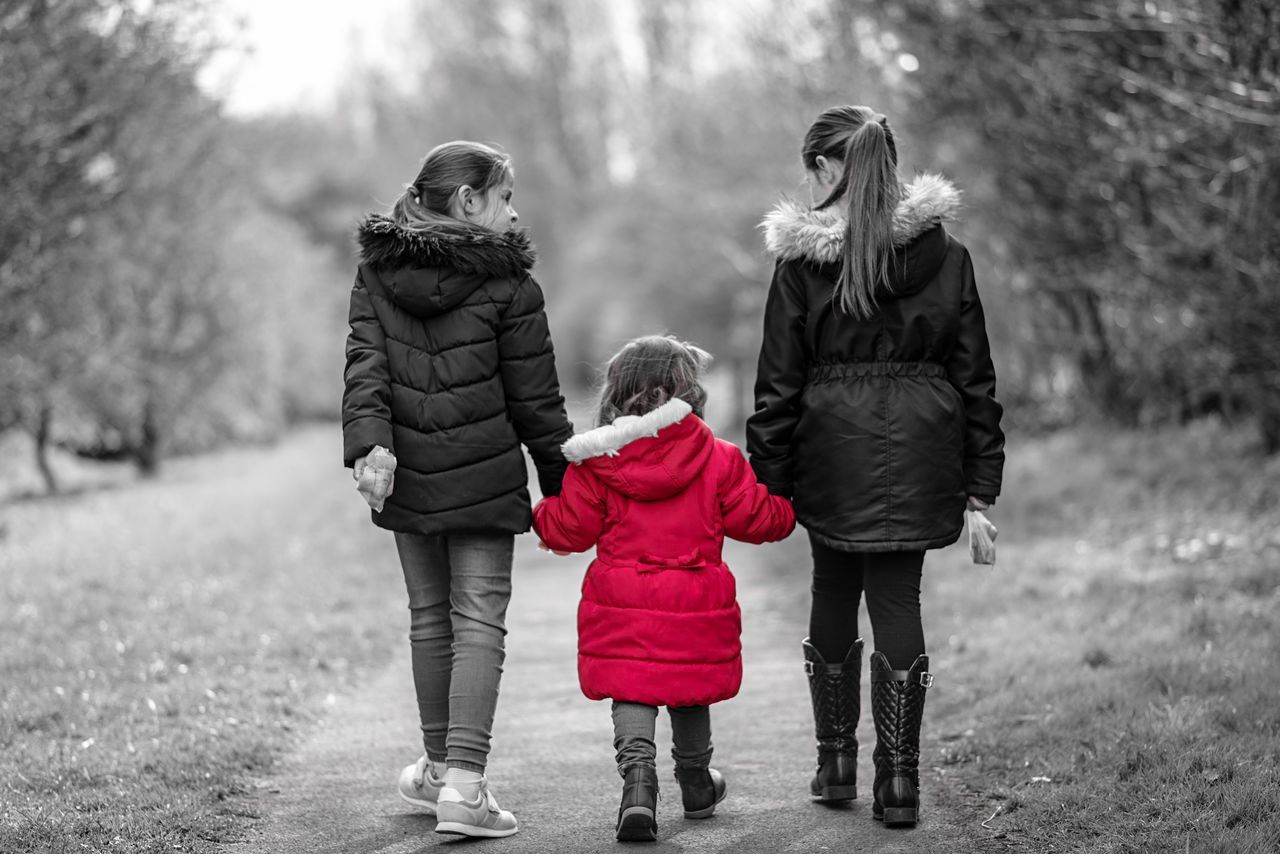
{"points": [[793, 231], [646, 457], [430, 271]]}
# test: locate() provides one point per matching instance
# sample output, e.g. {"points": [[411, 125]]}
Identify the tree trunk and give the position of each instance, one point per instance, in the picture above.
{"points": [[742, 383], [1269, 427], [44, 425], [147, 452]]}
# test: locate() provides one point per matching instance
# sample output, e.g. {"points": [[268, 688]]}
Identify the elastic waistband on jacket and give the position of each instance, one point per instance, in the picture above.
{"points": [[842, 370]]}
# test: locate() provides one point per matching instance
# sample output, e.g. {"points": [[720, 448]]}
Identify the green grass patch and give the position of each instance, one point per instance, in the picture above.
{"points": [[162, 644]]}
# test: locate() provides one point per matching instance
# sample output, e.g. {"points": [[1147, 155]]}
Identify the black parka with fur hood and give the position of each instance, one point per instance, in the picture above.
{"points": [[877, 428], [450, 366]]}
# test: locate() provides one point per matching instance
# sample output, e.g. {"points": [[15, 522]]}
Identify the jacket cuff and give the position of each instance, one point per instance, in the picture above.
{"points": [[361, 435], [775, 476], [982, 489], [550, 480]]}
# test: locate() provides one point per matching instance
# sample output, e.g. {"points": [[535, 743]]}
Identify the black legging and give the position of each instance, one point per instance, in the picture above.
{"points": [[891, 581]]}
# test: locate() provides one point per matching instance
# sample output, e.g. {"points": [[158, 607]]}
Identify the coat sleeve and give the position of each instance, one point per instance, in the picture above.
{"points": [[572, 521], [751, 513], [971, 372], [780, 377], [366, 397], [530, 383]]}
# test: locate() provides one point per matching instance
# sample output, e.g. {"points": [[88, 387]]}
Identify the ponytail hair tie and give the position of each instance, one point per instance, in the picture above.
{"points": [[411, 191]]}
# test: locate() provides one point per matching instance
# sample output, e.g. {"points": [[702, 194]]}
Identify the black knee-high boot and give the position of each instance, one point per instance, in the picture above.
{"points": [[834, 691], [897, 706]]}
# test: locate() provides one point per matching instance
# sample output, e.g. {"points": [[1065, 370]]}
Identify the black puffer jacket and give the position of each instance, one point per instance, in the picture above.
{"points": [[877, 428], [450, 366]]}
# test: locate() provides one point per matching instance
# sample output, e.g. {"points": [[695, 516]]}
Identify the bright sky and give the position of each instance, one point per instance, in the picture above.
{"points": [[295, 53]]}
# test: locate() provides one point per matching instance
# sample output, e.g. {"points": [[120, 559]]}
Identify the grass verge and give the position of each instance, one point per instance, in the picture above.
{"points": [[162, 644], [1110, 685]]}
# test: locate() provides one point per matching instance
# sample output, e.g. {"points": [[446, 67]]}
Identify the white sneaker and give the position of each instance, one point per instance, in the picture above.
{"points": [[479, 817], [419, 786]]}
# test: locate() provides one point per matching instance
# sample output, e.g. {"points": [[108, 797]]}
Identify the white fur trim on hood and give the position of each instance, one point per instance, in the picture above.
{"points": [[794, 231], [625, 429]]}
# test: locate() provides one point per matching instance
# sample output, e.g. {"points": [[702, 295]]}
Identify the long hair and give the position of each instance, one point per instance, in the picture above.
{"points": [[862, 139], [647, 372], [424, 204]]}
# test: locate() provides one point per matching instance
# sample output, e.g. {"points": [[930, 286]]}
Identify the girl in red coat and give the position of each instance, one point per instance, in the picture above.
{"points": [[656, 492]]}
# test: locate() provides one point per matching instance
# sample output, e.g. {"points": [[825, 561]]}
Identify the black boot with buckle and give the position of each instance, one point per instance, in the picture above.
{"points": [[638, 812], [834, 690], [897, 706]]}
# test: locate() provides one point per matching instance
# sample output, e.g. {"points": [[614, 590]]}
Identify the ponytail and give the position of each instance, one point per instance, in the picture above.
{"points": [[870, 186]]}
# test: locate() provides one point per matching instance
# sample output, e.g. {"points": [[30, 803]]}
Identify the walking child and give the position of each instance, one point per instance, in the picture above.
{"points": [[876, 411], [659, 625], [449, 370]]}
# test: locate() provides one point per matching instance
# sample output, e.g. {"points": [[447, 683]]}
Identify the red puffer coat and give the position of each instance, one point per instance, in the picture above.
{"points": [[657, 494]]}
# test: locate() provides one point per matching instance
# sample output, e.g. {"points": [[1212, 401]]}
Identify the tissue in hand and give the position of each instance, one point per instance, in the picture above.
{"points": [[378, 478]]}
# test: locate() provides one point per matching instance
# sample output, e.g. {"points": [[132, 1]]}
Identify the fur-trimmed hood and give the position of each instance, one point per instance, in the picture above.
{"points": [[647, 457], [794, 231], [479, 251], [430, 271]]}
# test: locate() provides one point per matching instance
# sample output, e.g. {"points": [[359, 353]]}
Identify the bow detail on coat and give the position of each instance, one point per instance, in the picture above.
{"points": [[656, 563]]}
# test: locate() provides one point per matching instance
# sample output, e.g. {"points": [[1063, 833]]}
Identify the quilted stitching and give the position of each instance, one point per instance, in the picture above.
{"points": [[897, 708], [836, 703]]}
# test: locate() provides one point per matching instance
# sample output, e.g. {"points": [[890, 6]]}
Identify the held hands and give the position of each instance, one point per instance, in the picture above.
{"points": [[375, 476]]}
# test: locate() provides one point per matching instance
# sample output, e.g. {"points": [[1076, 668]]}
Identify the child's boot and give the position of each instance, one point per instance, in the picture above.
{"points": [[897, 705], [638, 812], [700, 789], [836, 706]]}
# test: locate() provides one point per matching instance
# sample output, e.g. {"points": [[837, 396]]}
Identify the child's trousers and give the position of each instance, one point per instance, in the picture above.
{"points": [[633, 731], [459, 586]]}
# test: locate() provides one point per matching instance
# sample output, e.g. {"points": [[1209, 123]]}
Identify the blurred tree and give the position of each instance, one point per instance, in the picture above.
{"points": [[74, 76], [1133, 153], [151, 282]]}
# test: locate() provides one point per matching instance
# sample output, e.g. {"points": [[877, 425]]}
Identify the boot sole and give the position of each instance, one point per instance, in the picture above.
{"points": [[835, 794], [709, 811], [637, 824], [898, 817]]}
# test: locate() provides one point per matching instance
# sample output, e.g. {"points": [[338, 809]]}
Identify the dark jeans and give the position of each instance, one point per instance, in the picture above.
{"points": [[891, 582], [633, 729], [459, 586]]}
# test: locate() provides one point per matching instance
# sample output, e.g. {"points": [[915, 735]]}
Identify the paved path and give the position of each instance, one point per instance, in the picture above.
{"points": [[552, 757]]}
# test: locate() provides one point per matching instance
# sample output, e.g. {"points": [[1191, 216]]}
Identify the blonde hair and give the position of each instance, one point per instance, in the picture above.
{"points": [[649, 371], [863, 140], [424, 204]]}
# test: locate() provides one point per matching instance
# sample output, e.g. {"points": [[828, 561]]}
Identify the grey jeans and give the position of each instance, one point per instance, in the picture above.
{"points": [[459, 586], [633, 731]]}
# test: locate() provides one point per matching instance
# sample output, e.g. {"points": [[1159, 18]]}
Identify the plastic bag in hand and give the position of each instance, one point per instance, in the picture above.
{"points": [[378, 478], [982, 537]]}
